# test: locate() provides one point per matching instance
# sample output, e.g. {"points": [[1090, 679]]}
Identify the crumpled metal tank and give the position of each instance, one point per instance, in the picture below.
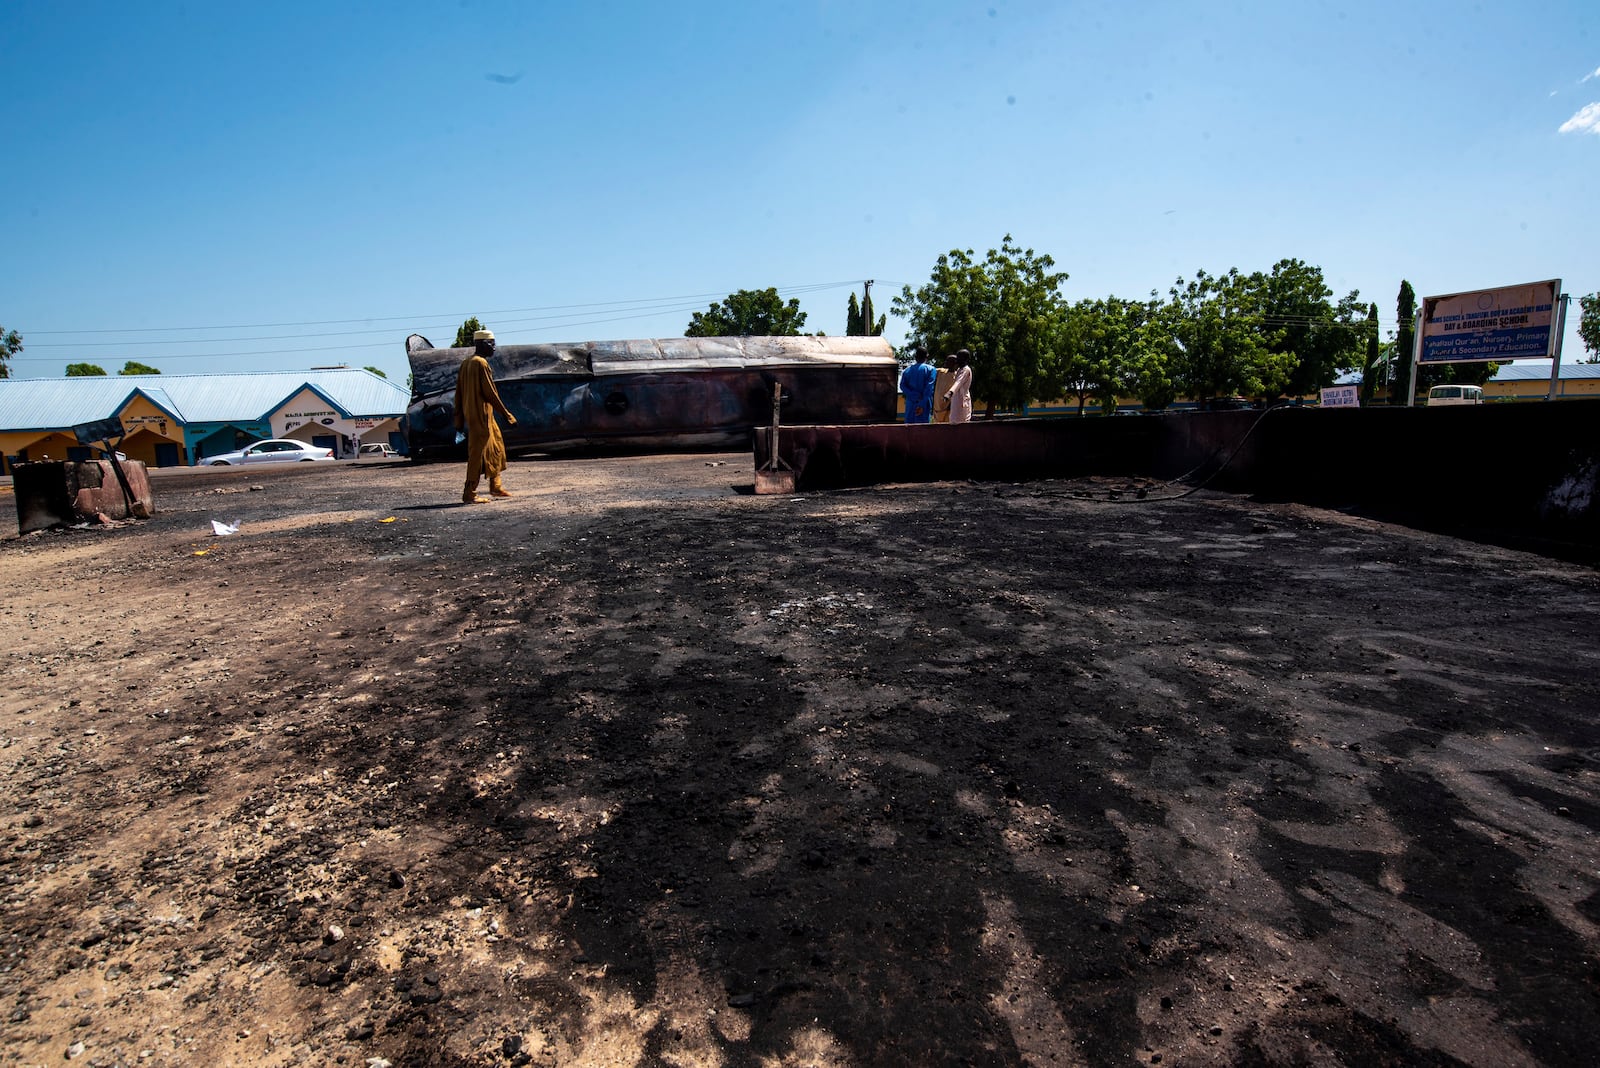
{"points": [[56, 493], [663, 393]]}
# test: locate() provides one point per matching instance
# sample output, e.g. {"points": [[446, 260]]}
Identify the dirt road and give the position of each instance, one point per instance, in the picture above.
{"points": [[638, 768]]}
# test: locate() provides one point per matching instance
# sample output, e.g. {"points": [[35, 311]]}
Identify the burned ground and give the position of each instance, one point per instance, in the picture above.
{"points": [[638, 768]]}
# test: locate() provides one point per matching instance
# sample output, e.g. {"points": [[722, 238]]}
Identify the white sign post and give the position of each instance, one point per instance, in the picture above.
{"points": [[1341, 397]]}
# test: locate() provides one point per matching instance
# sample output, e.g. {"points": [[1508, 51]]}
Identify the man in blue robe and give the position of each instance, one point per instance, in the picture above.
{"points": [[916, 382]]}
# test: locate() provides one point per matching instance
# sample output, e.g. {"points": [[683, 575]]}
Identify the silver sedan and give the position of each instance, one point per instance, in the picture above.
{"points": [[272, 451]]}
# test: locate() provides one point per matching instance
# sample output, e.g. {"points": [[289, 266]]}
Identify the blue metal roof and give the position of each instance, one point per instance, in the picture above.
{"points": [[57, 403], [1540, 372]]}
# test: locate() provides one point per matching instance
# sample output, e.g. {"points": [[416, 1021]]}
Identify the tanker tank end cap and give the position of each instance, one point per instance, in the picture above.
{"points": [[483, 335]]}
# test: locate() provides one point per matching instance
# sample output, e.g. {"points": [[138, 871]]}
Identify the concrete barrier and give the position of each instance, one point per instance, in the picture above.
{"points": [[1526, 473]]}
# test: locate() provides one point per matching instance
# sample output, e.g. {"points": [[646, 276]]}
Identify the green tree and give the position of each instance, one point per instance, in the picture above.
{"points": [[84, 370], [1100, 351], [464, 334], [10, 345], [1588, 326], [1401, 355], [749, 313], [1221, 339], [134, 367], [1151, 372], [375, 371], [1370, 372], [1325, 340], [1006, 309], [852, 317]]}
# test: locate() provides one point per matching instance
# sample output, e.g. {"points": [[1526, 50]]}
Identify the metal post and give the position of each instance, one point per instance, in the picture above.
{"points": [[1559, 322], [1416, 359]]}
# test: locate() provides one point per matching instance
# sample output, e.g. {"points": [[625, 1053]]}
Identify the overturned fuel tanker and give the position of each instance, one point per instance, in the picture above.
{"points": [[667, 393]]}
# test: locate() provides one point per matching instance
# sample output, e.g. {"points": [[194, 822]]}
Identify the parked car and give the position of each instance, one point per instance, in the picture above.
{"points": [[272, 451], [1455, 395], [377, 451]]}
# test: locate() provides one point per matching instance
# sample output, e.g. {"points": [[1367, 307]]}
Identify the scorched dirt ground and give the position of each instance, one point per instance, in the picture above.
{"points": [[641, 769]]}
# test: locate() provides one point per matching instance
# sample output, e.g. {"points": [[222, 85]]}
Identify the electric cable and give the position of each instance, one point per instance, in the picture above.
{"points": [[637, 309]]}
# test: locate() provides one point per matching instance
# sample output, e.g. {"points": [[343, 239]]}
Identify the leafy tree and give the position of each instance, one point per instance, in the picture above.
{"points": [[1151, 376], [84, 370], [1221, 340], [10, 345], [852, 317], [375, 371], [1369, 372], [1101, 351], [1150, 373], [1323, 339], [749, 313], [1588, 326], [134, 367], [464, 334], [1006, 309], [1401, 356]]}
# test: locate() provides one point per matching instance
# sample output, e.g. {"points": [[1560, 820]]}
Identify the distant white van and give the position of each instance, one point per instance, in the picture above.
{"points": [[1455, 395]]}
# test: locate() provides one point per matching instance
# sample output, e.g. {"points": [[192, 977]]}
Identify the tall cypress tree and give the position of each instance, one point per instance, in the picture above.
{"points": [[870, 326], [1404, 339], [1369, 373], [852, 318]]}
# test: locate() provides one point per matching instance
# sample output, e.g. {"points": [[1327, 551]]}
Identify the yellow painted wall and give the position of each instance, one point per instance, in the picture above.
{"points": [[1540, 390], [146, 425], [38, 443]]}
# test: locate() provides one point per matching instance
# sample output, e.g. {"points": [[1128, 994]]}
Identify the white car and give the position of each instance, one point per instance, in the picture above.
{"points": [[272, 451], [377, 451], [1454, 395]]}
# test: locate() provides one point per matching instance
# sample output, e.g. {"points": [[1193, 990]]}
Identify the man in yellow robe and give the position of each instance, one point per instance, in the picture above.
{"points": [[941, 386], [477, 401]]}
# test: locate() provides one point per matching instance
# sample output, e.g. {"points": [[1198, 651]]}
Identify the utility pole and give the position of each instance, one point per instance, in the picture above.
{"points": [[1559, 335]]}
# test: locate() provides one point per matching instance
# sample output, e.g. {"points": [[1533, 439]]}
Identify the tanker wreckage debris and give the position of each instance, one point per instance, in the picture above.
{"points": [[660, 394]]}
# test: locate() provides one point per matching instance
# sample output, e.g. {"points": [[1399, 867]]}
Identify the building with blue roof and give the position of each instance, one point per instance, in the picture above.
{"points": [[175, 420], [1531, 381]]}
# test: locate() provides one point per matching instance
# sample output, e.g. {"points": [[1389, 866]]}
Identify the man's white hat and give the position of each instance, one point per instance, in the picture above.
{"points": [[483, 335]]}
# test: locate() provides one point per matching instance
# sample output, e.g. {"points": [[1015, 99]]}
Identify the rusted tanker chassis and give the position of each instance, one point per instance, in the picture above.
{"points": [[662, 393]]}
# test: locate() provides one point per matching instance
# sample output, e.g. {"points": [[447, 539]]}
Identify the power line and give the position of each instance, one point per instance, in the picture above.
{"points": [[809, 287], [338, 333], [165, 357], [436, 321]]}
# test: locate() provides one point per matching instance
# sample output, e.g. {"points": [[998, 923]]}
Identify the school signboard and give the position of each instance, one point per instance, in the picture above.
{"points": [[1510, 323]]}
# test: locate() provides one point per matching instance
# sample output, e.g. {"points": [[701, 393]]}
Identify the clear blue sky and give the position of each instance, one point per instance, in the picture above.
{"points": [[307, 183]]}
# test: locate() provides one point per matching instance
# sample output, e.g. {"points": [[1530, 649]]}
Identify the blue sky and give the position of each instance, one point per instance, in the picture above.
{"points": [[209, 187]]}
